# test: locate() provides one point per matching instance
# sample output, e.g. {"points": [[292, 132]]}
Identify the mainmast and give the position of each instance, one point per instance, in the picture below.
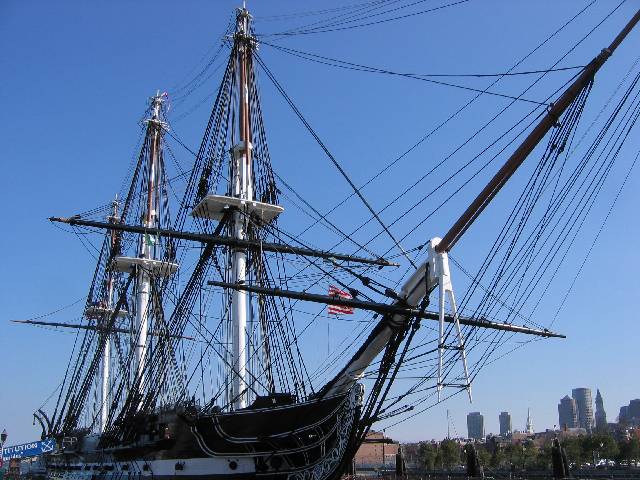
{"points": [[239, 207], [242, 188]]}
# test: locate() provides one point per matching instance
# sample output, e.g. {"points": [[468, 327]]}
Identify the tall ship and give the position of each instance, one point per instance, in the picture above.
{"points": [[187, 362]]}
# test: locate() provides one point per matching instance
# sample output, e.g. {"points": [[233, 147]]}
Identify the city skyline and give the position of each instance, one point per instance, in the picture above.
{"points": [[567, 410]]}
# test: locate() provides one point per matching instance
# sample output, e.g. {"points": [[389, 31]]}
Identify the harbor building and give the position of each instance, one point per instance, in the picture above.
{"points": [[567, 413], [601, 416], [584, 402], [475, 425], [505, 424], [376, 451]]}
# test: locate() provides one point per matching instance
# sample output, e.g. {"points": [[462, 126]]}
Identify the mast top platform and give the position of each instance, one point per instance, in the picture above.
{"points": [[214, 207], [160, 268]]}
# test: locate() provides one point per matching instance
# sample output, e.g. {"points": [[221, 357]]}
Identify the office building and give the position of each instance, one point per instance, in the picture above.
{"points": [[475, 425], [567, 413], [505, 424], [634, 410], [623, 416], [601, 416], [584, 402], [630, 414]]}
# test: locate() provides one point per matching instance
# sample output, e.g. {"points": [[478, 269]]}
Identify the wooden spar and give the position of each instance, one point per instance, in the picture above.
{"points": [[532, 140], [228, 241], [94, 327], [384, 308]]}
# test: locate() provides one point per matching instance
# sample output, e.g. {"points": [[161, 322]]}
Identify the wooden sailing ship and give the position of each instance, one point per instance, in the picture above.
{"points": [[265, 422]]}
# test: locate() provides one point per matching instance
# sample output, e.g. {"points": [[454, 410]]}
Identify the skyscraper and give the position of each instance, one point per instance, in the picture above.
{"points": [[567, 413], [505, 423], [623, 417], [634, 410], [475, 425], [601, 416], [582, 396]]}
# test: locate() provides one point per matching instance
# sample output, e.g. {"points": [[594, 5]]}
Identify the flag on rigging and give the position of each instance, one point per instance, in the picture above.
{"points": [[339, 309]]}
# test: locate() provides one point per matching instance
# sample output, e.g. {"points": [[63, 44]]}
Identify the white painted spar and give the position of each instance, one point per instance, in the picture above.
{"points": [[413, 291], [434, 272], [442, 276], [242, 189], [106, 359]]}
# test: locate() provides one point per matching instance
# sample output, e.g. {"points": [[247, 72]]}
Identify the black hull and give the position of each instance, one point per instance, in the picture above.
{"points": [[304, 441]]}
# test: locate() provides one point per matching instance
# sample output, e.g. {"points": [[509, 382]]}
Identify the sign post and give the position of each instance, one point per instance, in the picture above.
{"points": [[3, 438]]}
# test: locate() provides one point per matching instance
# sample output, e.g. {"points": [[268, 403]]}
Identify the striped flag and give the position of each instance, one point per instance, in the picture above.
{"points": [[339, 309]]}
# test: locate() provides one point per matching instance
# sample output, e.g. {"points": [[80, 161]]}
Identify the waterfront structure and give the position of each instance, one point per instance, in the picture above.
{"points": [[584, 402], [601, 416], [529, 426], [376, 451], [505, 423], [475, 425], [567, 413]]}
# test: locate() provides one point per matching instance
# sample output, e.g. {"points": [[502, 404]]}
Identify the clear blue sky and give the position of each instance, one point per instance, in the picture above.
{"points": [[75, 80]]}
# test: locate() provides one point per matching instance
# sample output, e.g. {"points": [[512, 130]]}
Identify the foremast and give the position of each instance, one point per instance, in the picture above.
{"points": [[101, 313], [106, 356]]}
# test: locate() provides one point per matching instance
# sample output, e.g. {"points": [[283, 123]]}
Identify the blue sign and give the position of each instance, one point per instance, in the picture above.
{"points": [[26, 450]]}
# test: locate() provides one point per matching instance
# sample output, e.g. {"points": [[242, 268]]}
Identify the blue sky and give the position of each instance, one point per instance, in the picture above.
{"points": [[76, 78]]}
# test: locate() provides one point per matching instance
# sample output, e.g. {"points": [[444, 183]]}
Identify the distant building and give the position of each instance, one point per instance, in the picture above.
{"points": [[623, 416], [529, 426], [584, 402], [601, 416], [567, 413], [634, 411], [505, 423], [376, 451], [475, 425], [630, 414]]}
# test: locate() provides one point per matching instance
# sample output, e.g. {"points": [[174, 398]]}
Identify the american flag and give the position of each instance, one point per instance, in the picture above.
{"points": [[339, 309]]}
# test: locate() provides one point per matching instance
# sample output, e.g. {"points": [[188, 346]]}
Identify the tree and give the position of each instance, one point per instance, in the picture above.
{"points": [[630, 450], [428, 454], [513, 453], [543, 459], [530, 454], [498, 457], [484, 457], [450, 451], [600, 445], [573, 447]]}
